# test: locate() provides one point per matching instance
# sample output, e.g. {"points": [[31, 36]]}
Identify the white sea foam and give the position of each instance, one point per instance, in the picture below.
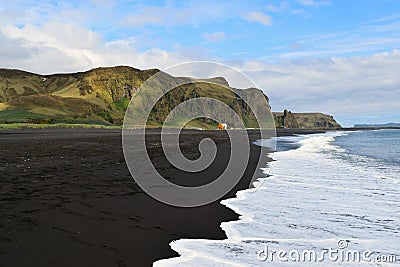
{"points": [[314, 197]]}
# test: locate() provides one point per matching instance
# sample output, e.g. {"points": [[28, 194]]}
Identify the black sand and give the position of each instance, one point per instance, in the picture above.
{"points": [[67, 199]]}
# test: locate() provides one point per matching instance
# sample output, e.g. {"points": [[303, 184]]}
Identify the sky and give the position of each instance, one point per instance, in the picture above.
{"points": [[334, 56]]}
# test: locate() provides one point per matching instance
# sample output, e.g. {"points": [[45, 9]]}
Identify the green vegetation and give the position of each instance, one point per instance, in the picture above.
{"points": [[199, 124], [55, 125], [18, 115], [100, 96], [202, 89]]}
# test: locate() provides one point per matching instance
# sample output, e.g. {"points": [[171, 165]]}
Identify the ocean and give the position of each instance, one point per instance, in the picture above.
{"points": [[329, 199]]}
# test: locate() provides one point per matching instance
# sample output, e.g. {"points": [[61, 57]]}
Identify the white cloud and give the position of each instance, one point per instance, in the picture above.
{"points": [[259, 17], [10, 15], [152, 16], [192, 13], [56, 47], [384, 27], [214, 36], [314, 2], [350, 42], [339, 86], [55, 34], [301, 12], [12, 49], [105, 3], [53, 47], [277, 8], [387, 18]]}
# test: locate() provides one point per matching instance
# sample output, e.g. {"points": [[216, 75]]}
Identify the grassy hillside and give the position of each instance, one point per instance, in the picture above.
{"points": [[101, 96], [98, 96]]}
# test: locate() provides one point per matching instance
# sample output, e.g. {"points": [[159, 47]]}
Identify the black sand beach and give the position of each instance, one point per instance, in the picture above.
{"points": [[68, 199]]}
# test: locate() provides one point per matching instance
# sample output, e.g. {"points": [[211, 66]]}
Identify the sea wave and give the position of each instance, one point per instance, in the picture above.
{"points": [[315, 196]]}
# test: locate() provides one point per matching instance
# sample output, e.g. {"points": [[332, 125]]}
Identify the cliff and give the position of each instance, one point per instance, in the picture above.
{"points": [[287, 119]]}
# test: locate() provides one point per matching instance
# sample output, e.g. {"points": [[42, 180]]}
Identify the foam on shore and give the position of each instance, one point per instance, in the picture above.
{"points": [[316, 195]]}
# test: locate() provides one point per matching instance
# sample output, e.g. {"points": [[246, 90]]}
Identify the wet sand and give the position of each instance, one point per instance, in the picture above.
{"points": [[67, 199]]}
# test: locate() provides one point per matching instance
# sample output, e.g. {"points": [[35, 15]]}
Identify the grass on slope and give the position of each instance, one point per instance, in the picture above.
{"points": [[56, 125]]}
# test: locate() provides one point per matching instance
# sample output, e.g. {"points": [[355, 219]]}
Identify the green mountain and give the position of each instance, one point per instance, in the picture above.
{"points": [[96, 96], [101, 96]]}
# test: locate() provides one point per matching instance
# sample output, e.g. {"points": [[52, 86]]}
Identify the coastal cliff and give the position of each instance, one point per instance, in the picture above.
{"points": [[287, 119]]}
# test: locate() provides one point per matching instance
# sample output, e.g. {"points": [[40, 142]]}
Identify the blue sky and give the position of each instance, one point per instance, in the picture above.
{"points": [[333, 56]]}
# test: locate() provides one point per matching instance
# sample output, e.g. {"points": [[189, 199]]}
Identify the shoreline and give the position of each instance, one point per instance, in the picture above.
{"points": [[226, 201], [245, 236], [68, 192]]}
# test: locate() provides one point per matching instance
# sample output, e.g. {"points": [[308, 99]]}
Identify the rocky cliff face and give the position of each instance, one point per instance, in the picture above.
{"points": [[288, 119], [102, 95]]}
